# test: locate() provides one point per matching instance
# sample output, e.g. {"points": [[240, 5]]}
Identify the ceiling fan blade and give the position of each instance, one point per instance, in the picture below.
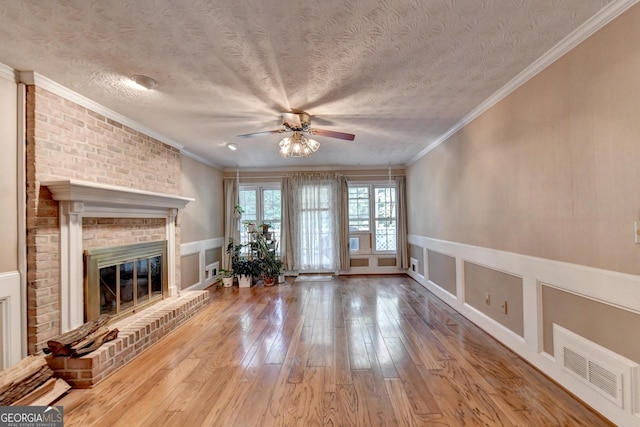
{"points": [[247, 135], [333, 134], [292, 119]]}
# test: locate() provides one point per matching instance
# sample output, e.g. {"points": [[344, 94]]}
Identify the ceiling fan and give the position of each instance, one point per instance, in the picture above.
{"points": [[301, 123]]}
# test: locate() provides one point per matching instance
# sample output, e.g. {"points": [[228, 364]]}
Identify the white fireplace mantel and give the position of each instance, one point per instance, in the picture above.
{"points": [[80, 199], [102, 195]]}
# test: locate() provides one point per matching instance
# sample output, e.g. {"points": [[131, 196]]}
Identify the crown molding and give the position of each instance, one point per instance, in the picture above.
{"points": [[588, 28], [33, 78], [200, 159], [7, 72]]}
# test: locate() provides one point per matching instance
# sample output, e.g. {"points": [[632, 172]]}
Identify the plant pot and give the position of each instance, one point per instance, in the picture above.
{"points": [[269, 281], [251, 228], [244, 281], [227, 282]]}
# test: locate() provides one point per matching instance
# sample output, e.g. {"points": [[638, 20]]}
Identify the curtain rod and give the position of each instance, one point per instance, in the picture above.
{"points": [[283, 176]]}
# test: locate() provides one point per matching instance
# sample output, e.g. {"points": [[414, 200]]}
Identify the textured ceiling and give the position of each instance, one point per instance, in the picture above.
{"points": [[397, 73]]}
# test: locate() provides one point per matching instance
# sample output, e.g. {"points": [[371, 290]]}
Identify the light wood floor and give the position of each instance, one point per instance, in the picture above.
{"points": [[362, 351]]}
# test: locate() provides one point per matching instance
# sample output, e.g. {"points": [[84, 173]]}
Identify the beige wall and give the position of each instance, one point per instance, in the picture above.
{"points": [[204, 218], [8, 183], [550, 171]]}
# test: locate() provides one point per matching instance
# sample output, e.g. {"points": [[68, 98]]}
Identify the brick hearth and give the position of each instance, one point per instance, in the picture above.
{"points": [[137, 333]]}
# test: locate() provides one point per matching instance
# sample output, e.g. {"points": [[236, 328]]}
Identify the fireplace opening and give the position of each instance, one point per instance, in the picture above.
{"points": [[122, 280]]}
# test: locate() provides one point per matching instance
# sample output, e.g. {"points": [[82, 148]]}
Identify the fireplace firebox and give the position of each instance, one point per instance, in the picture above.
{"points": [[122, 280]]}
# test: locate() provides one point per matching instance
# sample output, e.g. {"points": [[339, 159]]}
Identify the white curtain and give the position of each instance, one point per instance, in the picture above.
{"points": [[314, 221], [231, 227]]}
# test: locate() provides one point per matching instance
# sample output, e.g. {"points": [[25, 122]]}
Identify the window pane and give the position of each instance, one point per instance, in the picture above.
{"points": [[270, 204], [385, 218], [248, 201], [386, 235], [261, 205], [359, 208]]}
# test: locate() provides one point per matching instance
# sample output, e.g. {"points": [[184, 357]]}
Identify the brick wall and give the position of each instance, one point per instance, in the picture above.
{"points": [[105, 232], [68, 141]]}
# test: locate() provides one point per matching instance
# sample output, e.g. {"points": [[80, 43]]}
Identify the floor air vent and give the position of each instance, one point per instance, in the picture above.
{"points": [[608, 373]]}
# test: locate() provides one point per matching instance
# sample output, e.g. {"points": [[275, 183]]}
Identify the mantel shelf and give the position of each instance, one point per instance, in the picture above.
{"points": [[110, 195]]}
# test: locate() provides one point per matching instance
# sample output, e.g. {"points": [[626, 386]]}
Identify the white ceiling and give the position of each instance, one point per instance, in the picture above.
{"points": [[399, 74]]}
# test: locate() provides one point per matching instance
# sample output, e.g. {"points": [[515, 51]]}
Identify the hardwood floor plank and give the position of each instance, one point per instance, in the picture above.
{"points": [[378, 349], [362, 350], [252, 411], [403, 408], [283, 340], [300, 356], [380, 387], [358, 357], [416, 389], [342, 367], [321, 340], [303, 404], [134, 410]]}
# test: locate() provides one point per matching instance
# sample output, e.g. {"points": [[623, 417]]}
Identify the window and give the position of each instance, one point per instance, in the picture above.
{"points": [[372, 204], [385, 219], [359, 215], [261, 204], [317, 242]]}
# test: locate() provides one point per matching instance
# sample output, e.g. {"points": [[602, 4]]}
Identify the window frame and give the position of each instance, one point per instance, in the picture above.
{"points": [[368, 237], [259, 188]]}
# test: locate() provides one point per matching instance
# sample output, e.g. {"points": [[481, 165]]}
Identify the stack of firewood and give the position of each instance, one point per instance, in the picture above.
{"points": [[82, 340], [30, 382]]}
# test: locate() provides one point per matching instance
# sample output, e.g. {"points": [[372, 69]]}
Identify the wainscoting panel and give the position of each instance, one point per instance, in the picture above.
{"points": [[10, 319], [589, 294], [206, 252], [442, 271]]}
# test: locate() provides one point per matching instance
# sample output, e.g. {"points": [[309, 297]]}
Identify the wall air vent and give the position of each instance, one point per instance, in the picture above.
{"points": [[609, 374]]}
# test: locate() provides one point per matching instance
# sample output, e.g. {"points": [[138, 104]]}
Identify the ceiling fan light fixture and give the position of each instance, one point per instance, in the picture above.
{"points": [[297, 145], [144, 82]]}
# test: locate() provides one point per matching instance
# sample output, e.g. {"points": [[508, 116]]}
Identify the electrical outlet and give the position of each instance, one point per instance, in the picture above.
{"points": [[636, 230], [504, 307], [487, 298]]}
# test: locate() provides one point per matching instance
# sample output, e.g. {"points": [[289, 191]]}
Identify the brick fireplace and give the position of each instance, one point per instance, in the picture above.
{"points": [[91, 182], [79, 200]]}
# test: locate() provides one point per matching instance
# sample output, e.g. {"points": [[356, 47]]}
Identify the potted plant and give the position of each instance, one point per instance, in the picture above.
{"points": [[250, 225], [246, 269], [237, 211], [227, 278], [271, 267], [265, 229], [270, 264]]}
